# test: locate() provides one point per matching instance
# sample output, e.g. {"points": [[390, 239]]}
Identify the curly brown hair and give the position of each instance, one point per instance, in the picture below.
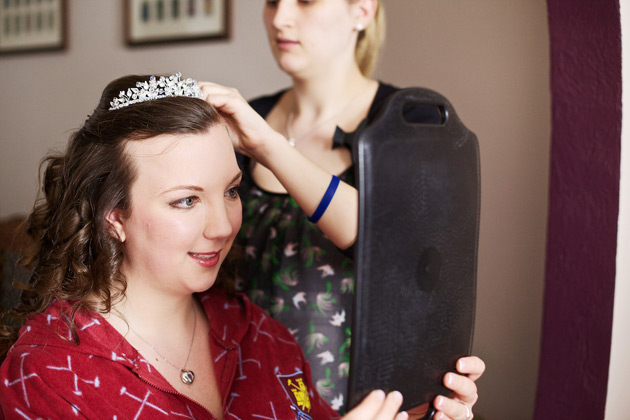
{"points": [[73, 255]]}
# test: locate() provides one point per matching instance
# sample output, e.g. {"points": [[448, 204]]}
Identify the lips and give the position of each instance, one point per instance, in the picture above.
{"points": [[285, 43], [206, 259]]}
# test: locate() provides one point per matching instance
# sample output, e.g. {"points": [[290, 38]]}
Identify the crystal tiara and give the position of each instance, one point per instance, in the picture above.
{"points": [[154, 88]]}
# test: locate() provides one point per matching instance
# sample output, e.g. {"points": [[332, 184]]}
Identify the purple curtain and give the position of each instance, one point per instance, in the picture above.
{"points": [[585, 40]]}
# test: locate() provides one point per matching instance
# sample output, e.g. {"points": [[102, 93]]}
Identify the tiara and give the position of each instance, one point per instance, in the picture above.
{"points": [[160, 88]]}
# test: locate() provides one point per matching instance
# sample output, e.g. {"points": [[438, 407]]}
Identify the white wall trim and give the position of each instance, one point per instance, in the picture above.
{"points": [[617, 401]]}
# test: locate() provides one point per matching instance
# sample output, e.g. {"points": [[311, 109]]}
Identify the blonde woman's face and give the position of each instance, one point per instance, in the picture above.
{"points": [[185, 211], [311, 35]]}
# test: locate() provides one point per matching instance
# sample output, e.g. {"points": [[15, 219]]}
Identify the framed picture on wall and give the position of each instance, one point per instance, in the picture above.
{"points": [[159, 21], [32, 25]]}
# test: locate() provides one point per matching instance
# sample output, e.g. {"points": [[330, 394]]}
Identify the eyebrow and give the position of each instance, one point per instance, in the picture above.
{"points": [[196, 187]]}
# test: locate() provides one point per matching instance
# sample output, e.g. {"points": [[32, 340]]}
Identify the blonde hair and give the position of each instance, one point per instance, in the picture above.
{"points": [[370, 42]]}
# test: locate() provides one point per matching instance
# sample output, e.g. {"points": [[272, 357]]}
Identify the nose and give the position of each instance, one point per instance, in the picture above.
{"points": [[220, 223], [283, 14]]}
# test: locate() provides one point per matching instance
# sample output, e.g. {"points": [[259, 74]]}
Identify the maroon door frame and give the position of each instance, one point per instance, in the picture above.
{"points": [[585, 41]]}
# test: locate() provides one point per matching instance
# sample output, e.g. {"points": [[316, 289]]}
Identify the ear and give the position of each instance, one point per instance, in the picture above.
{"points": [[365, 12], [115, 219]]}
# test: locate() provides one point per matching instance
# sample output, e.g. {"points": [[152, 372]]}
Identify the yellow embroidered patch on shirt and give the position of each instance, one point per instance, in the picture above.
{"points": [[300, 392], [297, 392]]}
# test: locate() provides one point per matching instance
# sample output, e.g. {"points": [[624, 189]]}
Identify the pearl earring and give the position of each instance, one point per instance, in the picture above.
{"points": [[358, 27]]}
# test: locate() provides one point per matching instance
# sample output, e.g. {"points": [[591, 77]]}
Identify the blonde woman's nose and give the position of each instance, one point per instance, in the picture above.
{"points": [[284, 15]]}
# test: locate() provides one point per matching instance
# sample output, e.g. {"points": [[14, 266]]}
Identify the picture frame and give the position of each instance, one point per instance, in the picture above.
{"points": [[32, 25], [165, 21]]}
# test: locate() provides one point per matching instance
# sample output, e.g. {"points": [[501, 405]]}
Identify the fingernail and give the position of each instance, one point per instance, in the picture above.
{"points": [[439, 402], [450, 378], [378, 393], [403, 415], [396, 396]]}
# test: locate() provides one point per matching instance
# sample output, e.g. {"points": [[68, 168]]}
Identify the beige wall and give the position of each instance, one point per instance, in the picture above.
{"points": [[44, 96], [489, 57]]}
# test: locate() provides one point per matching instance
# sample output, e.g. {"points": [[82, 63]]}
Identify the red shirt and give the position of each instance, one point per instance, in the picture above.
{"points": [[261, 371]]}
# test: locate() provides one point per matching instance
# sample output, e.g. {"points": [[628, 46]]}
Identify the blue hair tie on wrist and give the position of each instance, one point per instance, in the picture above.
{"points": [[326, 199]]}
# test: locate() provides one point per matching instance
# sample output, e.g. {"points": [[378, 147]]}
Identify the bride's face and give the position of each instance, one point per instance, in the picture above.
{"points": [[185, 211]]}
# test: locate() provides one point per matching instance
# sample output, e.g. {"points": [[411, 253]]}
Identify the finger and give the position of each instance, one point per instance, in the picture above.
{"points": [[221, 97], [215, 87], [441, 416], [370, 404], [221, 101], [403, 415], [219, 90], [450, 409], [471, 366], [378, 406], [462, 386], [390, 406]]}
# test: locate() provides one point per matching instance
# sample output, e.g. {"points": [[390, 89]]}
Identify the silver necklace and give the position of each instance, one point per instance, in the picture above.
{"points": [[291, 115], [187, 376], [290, 130]]}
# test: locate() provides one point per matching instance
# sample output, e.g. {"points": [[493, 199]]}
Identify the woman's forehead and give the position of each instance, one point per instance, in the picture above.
{"points": [[187, 156], [210, 139]]}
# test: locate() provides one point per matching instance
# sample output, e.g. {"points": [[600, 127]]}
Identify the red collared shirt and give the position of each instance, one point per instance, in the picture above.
{"points": [[261, 371]]}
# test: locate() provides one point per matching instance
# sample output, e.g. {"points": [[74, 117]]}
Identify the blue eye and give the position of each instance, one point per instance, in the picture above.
{"points": [[233, 192], [185, 203]]}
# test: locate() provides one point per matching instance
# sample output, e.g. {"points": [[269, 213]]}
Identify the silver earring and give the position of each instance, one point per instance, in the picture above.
{"points": [[358, 27]]}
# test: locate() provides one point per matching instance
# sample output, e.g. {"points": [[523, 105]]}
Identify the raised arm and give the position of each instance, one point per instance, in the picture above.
{"points": [[304, 180]]}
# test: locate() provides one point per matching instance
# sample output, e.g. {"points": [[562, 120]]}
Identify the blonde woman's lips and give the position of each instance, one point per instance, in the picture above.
{"points": [[286, 43]]}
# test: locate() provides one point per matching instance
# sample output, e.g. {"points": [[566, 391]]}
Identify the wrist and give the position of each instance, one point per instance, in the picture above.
{"points": [[274, 146]]}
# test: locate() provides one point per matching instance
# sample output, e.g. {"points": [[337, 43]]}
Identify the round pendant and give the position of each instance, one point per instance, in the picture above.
{"points": [[187, 376]]}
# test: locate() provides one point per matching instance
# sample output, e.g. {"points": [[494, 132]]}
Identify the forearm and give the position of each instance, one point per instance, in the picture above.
{"points": [[307, 183], [304, 180]]}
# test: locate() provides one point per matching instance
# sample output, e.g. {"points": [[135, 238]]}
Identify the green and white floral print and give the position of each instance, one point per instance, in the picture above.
{"points": [[293, 271]]}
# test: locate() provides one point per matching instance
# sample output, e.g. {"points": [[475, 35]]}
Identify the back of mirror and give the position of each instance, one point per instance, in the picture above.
{"points": [[417, 171]]}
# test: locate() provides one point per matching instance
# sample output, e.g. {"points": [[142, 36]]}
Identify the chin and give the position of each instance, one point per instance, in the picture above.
{"points": [[201, 289], [203, 283], [287, 66]]}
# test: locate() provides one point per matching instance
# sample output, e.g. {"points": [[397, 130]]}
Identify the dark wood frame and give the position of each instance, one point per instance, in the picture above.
{"points": [[222, 32], [44, 46]]}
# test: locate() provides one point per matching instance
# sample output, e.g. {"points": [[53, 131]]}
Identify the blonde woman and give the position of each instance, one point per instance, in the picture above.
{"points": [[299, 202]]}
